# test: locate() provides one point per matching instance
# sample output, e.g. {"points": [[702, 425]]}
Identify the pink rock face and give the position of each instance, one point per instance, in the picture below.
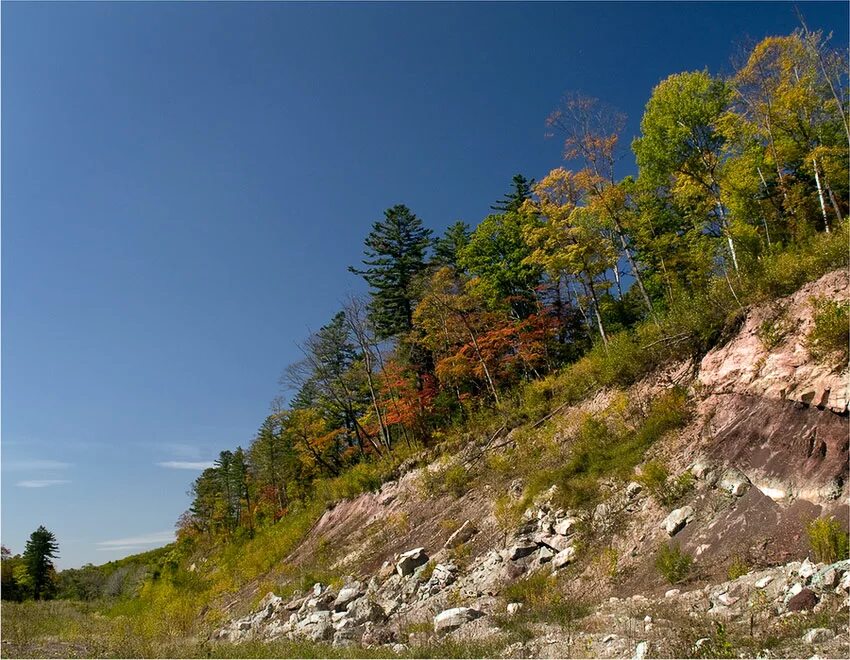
{"points": [[787, 371]]}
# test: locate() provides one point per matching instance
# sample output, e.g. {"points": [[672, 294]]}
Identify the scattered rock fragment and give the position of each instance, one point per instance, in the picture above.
{"points": [[454, 618], [411, 560], [677, 519]]}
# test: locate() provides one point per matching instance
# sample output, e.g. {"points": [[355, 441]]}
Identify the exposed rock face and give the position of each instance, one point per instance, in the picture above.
{"points": [[745, 366]]}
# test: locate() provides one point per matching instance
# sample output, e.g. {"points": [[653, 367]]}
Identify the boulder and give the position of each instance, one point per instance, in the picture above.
{"points": [[566, 527], [454, 618], [347, 594], [818, 635], [411, 560], [677, 519], [807, 569], [633, 488], [269, 603], [734, 482], [522, 548], [761, 583], [640, 651], [805, 600], [545, 554], [465, 532], [365, 610], [513, 608], [563, 558]]}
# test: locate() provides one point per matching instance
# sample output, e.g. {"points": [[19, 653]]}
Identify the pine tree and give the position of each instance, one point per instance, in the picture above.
{"points": [[395, 255], [41, 548], [520, 192], [448, 246]]}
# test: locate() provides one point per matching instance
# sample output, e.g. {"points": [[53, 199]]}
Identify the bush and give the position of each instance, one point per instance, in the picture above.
{"points": [[828, 339], [772, 331], [673, 564], [829, 542], [544, 601], [737, 568]]}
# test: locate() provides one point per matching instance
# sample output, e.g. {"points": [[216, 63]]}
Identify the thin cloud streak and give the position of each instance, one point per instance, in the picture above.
{"points": [[133, 542], [42, 483], [20, 466], [186, 465]]}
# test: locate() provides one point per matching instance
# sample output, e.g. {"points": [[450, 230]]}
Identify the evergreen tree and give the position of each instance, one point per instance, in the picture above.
{"points": [[448, 246], [395, 255], [520, 192], [41, 548]]}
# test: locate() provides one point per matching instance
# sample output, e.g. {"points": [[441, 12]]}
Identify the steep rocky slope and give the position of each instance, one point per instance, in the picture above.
{"points": [[765, 452]]}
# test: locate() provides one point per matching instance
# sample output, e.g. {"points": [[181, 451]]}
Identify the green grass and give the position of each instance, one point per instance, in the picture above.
{"points": [[674, 564]]}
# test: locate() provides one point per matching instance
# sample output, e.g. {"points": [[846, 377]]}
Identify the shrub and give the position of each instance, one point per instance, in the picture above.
{"points": [[737, 568], [772, 331], [456, 480], [654, 477], [828, 339], [544, 601], [829, 542], [673, 564]]}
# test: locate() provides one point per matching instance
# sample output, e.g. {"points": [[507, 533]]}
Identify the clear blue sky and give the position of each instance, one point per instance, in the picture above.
{"points": [[183, 186]]}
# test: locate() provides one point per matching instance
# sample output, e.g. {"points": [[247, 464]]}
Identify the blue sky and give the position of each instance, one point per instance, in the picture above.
{"points": [[184, 185]]}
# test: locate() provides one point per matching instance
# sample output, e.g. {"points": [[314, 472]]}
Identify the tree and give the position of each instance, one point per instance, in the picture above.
{"points": [[513, 200], [41, 548], [569, 242], [395, 256], [591, 131], [681, 147], [448, 246], [496, 258]]}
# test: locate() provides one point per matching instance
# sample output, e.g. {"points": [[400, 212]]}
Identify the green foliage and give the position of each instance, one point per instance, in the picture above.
{"points": [[40, 550], [772, 331], [544, 600], [828, 540], [673, 564], [717, 646], [737, 568], [496, 258], [395, 256], [829, 338], [666, 491]]}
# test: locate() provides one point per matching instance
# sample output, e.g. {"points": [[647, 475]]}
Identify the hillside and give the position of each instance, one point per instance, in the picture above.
{"points": [[543, 540], [765, 443]]}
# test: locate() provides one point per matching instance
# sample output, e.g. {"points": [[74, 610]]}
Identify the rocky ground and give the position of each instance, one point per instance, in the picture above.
{"points": [[765, 452]]}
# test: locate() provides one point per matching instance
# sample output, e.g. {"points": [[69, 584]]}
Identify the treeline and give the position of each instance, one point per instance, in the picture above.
{"points": [[731, 172]]}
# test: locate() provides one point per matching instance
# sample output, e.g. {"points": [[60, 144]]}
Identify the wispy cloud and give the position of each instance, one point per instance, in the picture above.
{"points": [[42, 483], [186, 465], [20, 466], [137, 542]]}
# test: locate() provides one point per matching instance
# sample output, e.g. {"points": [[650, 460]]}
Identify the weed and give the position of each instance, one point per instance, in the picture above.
{"points": [[673, 564], [828, 340], [737, 568], [829, 542]]}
